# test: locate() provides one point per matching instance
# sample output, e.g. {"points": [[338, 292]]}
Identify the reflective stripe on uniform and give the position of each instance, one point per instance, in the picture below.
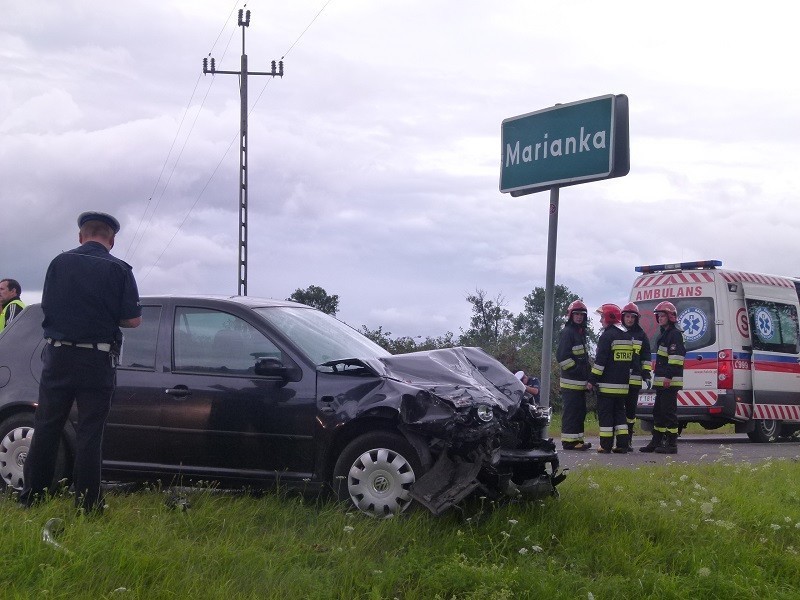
{"points": [[572, 384], [579, 350], [607, 432], [675, 359], [613, 388], [567, 363]]}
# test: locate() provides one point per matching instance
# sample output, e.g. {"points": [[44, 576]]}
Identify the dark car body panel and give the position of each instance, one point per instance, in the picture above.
{"points": [[188, 406]]}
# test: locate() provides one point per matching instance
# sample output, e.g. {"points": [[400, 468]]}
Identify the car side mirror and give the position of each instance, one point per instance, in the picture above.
{"points": [[273, 367]]}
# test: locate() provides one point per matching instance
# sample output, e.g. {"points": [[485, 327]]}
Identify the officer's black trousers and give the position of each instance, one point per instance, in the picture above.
{"points": [[70, 374]]}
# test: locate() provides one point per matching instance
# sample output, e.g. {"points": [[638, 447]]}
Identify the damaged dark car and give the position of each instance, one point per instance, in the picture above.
{"points": [[251, 392]]}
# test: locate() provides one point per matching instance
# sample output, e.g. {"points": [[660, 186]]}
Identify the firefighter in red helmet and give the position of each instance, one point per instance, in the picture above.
{"points": [[642, 366], [573, 359], [667, 380], [610, 374]]}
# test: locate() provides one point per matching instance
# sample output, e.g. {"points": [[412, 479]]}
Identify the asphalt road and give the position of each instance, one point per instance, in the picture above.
{"points": [[696, 449]]}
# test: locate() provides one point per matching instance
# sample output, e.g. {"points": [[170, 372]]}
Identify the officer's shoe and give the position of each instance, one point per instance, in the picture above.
{"points": [[619, 450]]}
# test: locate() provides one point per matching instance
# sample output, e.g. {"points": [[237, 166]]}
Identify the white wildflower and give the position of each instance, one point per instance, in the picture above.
{"points": [[662, 504], [523, 550], [703, 572], [505, 534], [348, 529], [715, 500], [618, 489], [775, 527], [678, 503], [707, 508], [593, 485], [787, 519], [513, 521], [536, 549], [684, 477]]}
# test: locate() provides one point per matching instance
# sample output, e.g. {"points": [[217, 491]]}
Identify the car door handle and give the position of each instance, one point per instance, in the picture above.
{"points": [[180, 391]]}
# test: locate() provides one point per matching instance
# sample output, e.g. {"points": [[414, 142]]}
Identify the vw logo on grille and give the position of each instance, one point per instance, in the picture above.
{"points": [[381, 483]]}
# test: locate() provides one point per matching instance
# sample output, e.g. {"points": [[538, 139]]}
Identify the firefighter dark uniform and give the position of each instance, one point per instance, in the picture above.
{"points": [[610, 374], [573, 359], [88, 294], [667, 381], [641, 369]]}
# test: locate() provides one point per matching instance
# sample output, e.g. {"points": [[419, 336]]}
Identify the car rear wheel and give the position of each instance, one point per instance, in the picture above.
{"points": [[15, 440], [375, 472], [765, 430]]}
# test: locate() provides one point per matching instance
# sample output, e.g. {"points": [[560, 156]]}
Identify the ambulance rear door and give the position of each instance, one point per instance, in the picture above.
{"points": [[773, 318]]}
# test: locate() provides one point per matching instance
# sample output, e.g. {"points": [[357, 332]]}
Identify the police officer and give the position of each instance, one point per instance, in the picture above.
{"points": [[610, 374], [573, 359], [667, 380], [88, 295], [10, 291], [532, 384], [642, 366]]}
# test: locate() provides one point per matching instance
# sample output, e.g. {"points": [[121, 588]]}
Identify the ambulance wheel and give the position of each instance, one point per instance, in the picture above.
{"points": [[764, 431]]}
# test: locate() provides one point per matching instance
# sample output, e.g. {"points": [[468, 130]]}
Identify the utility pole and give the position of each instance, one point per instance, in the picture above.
{"points": [[244, 21]]}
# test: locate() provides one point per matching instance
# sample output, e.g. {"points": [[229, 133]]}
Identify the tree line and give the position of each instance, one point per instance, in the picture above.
{"points": [[514, 339]]}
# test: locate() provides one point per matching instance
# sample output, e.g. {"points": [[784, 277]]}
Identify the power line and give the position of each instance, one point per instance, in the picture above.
{"points": [[134, 244], [208, 182]]}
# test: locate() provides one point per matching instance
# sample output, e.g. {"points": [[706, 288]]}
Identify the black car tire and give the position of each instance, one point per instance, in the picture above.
{"points": [[375, 472], [765, 430], [15, 441]]}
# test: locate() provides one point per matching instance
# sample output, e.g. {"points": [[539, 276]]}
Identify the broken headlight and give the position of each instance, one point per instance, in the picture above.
{"points": [[484, 413]]}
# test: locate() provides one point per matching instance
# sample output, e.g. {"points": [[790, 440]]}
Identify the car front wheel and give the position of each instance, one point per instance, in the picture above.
{"points": [[375, 472]]}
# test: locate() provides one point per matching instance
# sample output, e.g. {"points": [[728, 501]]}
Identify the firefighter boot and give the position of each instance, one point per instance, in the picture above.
{"points": [[670, 444], [623, 439], [630, 437], [655, 443], [606, 445]]}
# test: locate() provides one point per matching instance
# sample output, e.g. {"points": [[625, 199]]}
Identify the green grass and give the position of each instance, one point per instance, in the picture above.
{"points": [[592, 427], [666, 531]]}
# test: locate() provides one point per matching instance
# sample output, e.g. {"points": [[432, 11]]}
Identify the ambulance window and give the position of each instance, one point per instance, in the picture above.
{"points": [[696, 318], [774, 326]]}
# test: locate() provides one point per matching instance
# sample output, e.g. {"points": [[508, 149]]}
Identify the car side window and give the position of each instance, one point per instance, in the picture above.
{"points": [[773, 326], [139, 343], [212, 341]]}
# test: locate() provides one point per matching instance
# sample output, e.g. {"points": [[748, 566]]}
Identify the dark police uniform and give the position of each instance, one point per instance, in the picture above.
{"points": [[87, 292]]}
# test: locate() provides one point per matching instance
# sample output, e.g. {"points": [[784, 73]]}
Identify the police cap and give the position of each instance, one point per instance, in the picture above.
{"points": [[99, 216]]}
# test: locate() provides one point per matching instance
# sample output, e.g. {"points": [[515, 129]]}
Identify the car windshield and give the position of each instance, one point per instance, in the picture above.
{"points": [[319, 336]]}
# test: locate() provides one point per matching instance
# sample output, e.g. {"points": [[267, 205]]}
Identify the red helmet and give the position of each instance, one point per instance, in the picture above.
{"points": [[609, 314], [576, 306], [669, 308], [631, 309]]}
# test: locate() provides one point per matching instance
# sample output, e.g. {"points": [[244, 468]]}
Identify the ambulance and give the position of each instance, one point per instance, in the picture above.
{"points": [[742, 346]]}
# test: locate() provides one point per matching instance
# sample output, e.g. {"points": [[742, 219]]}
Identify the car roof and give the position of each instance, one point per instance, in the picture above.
{"points": [[248, 301]]}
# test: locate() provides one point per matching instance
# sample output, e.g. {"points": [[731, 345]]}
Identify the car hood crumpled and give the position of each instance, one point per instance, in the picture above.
{"points": [[462, 376]]}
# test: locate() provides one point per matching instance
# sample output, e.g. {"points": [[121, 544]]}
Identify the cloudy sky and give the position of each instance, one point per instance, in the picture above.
{"points": [[374, 163]]}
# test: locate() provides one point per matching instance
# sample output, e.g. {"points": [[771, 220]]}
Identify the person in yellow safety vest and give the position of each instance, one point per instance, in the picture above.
{"points": [[610, 374], [10, 291], [642, 367], [667, 380], [573, 359]]}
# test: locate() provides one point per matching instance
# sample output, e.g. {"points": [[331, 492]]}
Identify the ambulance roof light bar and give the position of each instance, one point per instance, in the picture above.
{"points": [[696, 264]]}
